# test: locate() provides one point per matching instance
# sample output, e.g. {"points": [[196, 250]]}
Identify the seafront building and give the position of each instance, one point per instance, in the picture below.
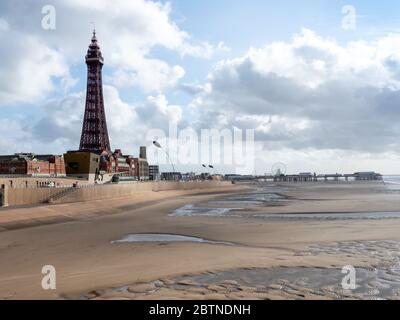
{"points": [[154, 173], [30, 164], [141, 165], [171, 176]]}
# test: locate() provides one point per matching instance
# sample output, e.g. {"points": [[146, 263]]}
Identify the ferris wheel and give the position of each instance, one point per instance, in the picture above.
{"points": [[278, 169]]}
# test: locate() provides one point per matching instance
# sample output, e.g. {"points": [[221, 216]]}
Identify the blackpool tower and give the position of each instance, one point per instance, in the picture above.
{"points": [[94, 136]]}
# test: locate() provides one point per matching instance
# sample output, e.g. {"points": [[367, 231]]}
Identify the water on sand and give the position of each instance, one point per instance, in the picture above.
{"points": [[240, 205], [158, 237]]}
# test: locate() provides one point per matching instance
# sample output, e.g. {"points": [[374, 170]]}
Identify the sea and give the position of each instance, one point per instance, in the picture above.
{"points": [[393, 182]]}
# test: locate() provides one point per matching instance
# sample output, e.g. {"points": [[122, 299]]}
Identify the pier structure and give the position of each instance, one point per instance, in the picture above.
{"points": [[308, 177]]}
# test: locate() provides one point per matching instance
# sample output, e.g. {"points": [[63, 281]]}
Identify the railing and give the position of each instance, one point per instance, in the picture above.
{"points": [[61, 195], [38, 176], [31, 187]]}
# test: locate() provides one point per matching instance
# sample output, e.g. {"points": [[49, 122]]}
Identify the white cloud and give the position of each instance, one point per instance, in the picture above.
{"points": [[161, 106], [151, 76], [128, 32], [310, 93], [312, 60], [13, 136], [28, 68], [60, 129], [223, 47], [4, 26], [202, 50]]}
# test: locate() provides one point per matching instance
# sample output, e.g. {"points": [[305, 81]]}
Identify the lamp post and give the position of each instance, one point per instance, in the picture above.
{"points": [[159, 146], [213, 169], [209, 167]]}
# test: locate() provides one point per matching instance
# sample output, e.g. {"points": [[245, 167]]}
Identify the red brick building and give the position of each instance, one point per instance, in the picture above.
{"points": [[141, 165], [32, 165], [117, 163], [123, 164]]}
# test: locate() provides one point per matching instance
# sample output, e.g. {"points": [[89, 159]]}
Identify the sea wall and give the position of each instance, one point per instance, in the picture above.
{"points": [[27, 196], [15, 182], [32, 196]]}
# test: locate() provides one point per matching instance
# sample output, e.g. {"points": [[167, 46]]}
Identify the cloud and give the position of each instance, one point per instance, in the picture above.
{"points": [[60, 129], [222, 47], [159, 105], [130, 31], [62, 122], [318, 93], [202, 50], [13, 136], [4, 25], [28, 67], [151, 76]]}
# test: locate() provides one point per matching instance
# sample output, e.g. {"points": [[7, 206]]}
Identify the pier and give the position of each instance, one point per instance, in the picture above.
{"points": [[358, 176]]}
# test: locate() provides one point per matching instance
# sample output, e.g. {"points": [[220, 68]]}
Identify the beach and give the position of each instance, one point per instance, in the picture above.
{"points": [[246, 241]]}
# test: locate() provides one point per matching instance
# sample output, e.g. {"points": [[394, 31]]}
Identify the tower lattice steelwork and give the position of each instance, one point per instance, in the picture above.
{"points": [[94, 132]]}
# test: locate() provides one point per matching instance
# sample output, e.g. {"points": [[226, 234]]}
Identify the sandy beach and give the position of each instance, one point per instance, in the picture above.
{"points": [[255, 241]]}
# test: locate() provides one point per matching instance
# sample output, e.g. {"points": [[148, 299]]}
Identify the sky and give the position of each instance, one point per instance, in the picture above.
{"points": [[317, 83]]}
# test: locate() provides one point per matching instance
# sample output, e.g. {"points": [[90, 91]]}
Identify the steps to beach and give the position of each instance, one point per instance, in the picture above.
{"points": [[60, 195]]}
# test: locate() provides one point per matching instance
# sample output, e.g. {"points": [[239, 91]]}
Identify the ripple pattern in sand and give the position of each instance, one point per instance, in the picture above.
{"points": [[381, 281]]}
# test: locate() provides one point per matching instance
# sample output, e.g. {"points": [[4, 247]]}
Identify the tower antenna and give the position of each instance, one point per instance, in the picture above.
{"points": [[94, 26]]}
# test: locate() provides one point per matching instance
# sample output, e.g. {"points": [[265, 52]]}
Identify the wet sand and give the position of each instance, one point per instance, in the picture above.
{"points": [[244, 253]]}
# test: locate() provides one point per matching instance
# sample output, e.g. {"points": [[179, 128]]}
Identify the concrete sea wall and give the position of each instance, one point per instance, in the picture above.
{"points": [[33, 196], [20, 197]]}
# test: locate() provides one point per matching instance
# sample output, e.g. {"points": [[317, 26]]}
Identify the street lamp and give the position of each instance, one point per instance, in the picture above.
{"points": [[213, 169], [159, 146], [209, 167]]}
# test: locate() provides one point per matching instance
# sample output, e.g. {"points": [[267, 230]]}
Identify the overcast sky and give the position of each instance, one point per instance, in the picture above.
{"points": [[318, 81]]}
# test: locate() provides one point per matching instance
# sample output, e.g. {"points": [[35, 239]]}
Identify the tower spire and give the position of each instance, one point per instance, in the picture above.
{"points": [[94, 29]]}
